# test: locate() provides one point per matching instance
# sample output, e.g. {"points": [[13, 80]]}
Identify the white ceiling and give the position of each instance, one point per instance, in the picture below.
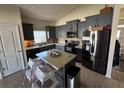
{"points": [[46, 12]]}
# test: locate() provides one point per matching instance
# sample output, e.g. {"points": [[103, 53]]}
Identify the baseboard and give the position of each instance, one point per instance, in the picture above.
{"points": [[0, 76], [108, 76]]}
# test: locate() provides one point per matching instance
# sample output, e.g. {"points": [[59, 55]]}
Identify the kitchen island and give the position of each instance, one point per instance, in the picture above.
{"points": [[60, 63]]}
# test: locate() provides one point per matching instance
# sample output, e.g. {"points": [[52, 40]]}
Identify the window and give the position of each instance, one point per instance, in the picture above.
{"points": [[39, 36]]}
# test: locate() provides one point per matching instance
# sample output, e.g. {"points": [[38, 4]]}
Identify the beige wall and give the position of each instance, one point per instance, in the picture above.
{"points": [[10, 14], [81, 12], [121, 22], [37, 24]]}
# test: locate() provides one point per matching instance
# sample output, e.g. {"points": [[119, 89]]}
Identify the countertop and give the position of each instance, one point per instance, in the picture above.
{"points": [[34, 47], [56, 62]]}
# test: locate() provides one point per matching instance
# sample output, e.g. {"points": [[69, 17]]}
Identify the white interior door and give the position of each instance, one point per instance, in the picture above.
{"points": [[10, 49]]}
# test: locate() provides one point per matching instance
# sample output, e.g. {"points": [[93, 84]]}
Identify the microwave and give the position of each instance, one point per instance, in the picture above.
{"points": [[71, 35]]}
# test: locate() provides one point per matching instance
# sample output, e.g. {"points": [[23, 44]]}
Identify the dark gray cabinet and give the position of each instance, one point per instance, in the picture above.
{"points": [[64, 31], [104, 19], [43, 49], [81, 29], [100, 19], [58, 32], [72, 26], [61, 31], [79, 54], [60, 47], [28, 31], [32, 53], [91, 21], [51, 31], [53, 46]]}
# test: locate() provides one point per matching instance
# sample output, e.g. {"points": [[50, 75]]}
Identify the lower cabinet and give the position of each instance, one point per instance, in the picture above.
{"points": [[51, 47], [79, 54], [43, 49], [60, 47], [32, 53]]}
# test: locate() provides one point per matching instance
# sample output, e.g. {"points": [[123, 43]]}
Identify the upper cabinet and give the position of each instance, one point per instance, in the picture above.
{"points": [[81, 28], [100, 19], [64, 31], [72, 26], [51, 31], [58, 32], [90, 21], [104, 19], [28, 31], [61, 31]]}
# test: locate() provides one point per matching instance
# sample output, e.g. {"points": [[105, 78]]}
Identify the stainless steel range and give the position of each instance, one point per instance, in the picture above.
{"points": [[70, 46]]}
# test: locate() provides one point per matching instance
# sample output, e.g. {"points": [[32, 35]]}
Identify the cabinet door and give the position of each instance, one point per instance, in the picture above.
{"points": [[81, 29], [79, 54], [104, 19], [43, 48], [51, 47], [64, 31], [62, 48], [51, 31], [60, 31], [69, 27], [57, 47], [28, 31], [90, 21], [74, 25], [57, 32], [32, 53]]}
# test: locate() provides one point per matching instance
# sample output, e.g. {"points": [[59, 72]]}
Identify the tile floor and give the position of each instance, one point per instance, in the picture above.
{"points": [[118, 72], [92, 79], [89, 79]]}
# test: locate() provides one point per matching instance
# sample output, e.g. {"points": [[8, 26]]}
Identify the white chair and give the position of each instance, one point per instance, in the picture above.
{"points": [[34, 74], [30, 73]]}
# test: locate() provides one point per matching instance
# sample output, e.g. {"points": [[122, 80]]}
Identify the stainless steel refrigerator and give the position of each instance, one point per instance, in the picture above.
{"points": [[99, 48]]}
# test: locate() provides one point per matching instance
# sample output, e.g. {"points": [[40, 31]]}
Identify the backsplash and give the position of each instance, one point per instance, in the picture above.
{"points": [[62, 40]]}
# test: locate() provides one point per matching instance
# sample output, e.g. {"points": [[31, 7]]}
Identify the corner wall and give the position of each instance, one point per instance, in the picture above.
{"points": [[10, 14]]}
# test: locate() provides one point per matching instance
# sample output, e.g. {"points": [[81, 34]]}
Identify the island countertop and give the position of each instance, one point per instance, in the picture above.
{"points": [[34, 47], [56, 62]]}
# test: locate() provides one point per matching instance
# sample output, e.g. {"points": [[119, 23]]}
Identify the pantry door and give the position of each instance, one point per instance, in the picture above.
{"points": [[11, 59]]}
